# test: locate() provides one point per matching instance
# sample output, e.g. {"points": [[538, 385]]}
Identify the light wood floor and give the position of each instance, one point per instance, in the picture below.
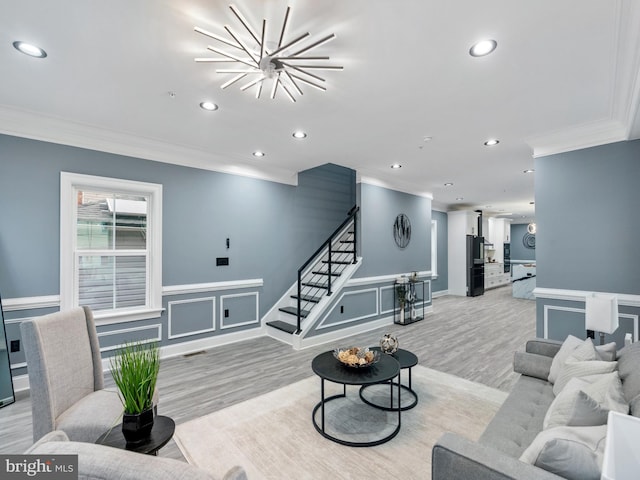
{"points": [[473, 338]]}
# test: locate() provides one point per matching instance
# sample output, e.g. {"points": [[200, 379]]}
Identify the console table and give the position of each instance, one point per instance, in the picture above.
{"points": [[410, 290]]}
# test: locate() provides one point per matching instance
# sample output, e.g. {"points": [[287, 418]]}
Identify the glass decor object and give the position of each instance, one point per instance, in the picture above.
{"points": [[389, 343]]}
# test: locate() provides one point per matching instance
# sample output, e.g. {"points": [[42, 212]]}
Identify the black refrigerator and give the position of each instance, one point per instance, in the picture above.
{"points": [[475, 266]]}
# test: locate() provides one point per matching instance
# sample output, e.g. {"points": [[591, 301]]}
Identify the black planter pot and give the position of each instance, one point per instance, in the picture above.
{"points": [[137, 426]]}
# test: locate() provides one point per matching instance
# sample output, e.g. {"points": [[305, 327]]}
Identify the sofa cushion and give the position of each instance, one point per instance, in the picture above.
{"points": [[573, 369], [571, 452], [629, 369], [586, 401], [520, 417]]}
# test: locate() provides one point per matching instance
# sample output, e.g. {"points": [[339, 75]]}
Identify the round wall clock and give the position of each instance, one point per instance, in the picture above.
{"points": [[402, 230]]}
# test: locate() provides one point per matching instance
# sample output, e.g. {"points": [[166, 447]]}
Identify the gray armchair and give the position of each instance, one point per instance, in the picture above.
{"points": [[66, 378], [99, 462]]}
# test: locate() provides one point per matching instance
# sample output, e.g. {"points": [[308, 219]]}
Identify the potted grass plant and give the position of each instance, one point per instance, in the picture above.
{"points": [[135, 371]]}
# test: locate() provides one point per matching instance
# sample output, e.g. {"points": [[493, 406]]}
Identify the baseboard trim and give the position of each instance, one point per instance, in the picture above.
{"points": [[439, 293]]}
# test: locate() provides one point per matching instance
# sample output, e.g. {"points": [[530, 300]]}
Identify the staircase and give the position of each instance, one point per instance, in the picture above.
{"points": [[318, 278]]}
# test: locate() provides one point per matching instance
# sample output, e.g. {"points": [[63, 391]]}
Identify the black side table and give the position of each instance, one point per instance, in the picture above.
{"points": [[406, 359], [161, 433]]}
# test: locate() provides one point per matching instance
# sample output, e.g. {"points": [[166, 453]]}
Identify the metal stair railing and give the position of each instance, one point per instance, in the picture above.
{"points": [[326, 249]]}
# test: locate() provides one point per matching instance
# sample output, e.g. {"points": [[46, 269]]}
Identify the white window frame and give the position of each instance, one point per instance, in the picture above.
{"points": [[434, 248], [70, 184]]}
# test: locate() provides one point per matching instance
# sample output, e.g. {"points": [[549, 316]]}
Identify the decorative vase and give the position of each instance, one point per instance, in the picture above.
{"points": [[389, 343], [137, 426], [402, 314]]}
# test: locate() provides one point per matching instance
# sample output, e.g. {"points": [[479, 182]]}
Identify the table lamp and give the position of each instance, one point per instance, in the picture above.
{"points": [[622, 450], [601, 313]]}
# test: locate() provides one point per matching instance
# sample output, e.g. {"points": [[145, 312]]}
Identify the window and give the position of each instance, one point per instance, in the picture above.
{"points": [[434, 248], [110, 246]]}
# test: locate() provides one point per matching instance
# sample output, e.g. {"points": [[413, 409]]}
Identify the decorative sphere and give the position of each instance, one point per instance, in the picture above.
{"points": [[389, 343]]}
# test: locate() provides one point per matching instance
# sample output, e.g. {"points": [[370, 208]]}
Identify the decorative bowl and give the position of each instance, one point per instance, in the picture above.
{"points": [[356, 357]]}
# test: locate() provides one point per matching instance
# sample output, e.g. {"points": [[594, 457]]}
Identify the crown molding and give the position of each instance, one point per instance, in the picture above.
{"points": [[623, 122], [37, 126], [397, 186], [577, 138]]}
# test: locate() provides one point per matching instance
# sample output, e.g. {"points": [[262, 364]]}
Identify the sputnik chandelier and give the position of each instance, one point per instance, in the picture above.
{"points": [[259, 61]]}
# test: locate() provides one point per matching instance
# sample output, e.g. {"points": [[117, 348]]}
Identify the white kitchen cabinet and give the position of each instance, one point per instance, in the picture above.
{"points": [[494, 275]]}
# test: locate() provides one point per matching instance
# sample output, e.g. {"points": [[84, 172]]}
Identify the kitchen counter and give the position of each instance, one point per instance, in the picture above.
{"points": [[523, 279]]}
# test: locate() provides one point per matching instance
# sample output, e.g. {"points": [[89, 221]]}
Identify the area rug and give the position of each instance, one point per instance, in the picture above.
{"points": [[272, 436]]}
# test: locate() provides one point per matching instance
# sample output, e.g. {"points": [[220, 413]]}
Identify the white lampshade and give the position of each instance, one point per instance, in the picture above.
{"points": [[601, 312], [622, 451]]}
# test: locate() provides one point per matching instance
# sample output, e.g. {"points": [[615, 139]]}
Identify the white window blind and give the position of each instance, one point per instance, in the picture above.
{"points": [[110, 245], [111, 250]]}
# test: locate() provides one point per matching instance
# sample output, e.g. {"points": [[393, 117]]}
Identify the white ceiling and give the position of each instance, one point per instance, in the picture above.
{"points": [[564, 76]]}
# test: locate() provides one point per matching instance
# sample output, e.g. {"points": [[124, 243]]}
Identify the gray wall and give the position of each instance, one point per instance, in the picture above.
{"points": [[272, 229], [442, 282], [518, 250], [378, 210], [587, 203]]}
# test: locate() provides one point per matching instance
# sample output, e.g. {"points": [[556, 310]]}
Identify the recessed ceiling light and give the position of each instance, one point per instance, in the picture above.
{"points": [[29, 49], [210, 106], [258, 154], [299, 134], [460, 198], [491, 142], [482, 48], [396, 166], [529, 170], [448, 184]]}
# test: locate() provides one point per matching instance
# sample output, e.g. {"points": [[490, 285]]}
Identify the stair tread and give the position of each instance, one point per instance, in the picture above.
{"points": [[308, 298], [315, 285], [284, 326], [333, 274], [338, 262], [347, 241], [294, 311]]}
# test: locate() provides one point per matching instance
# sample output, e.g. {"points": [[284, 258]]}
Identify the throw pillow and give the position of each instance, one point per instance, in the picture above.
{"points": [[575, 407], [569, 344], [587, 401], [628, 361], [571, 452], [607, 352], [581, 369]]}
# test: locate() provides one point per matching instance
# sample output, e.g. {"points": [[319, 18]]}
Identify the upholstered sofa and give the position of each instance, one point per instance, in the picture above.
{"points": [[497, 454], [99, 462]]}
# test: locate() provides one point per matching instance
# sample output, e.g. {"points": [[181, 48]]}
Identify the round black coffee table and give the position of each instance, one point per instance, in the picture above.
{"points": [[161, 433], [406, 359], [327, 367]]}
